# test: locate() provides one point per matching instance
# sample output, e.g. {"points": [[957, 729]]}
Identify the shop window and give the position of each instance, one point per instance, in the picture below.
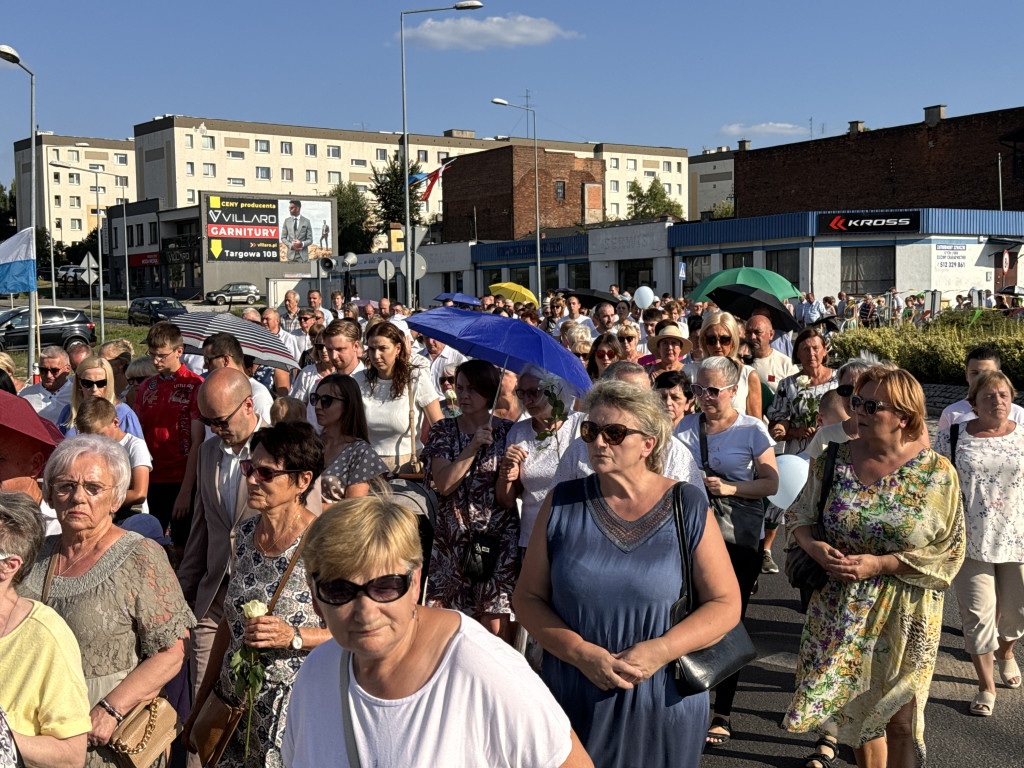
{"points": [[697, 269], [736, 260], [785, 262], [579, 275], [870, 269]]}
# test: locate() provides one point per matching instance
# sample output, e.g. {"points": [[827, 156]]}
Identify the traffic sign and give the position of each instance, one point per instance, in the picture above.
{"points": [[89, 262], [386, 269], [419, 266]]}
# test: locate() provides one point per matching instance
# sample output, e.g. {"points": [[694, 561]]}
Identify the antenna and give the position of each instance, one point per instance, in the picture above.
{"points": [[810, 132]]}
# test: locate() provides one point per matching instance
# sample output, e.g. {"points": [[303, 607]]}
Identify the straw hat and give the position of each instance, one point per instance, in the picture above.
{"points": [[670, 332]]}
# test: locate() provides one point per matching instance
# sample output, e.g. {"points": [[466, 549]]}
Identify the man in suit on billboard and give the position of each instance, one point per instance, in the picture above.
{"points": [[297, 233]]}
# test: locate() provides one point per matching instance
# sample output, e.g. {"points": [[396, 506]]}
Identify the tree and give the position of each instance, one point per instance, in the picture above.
{"points": [[389, 188], [75, 252], [8, 204], [653, 203], [723, 209], [355, 220]]}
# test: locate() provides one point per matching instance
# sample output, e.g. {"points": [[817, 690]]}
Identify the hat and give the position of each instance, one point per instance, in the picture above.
{"points": [[18, 415], [148, 526], [670, 332]]}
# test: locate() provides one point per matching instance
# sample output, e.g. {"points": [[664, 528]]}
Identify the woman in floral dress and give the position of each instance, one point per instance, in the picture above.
{"points": [[894, 525], [792, 414]]}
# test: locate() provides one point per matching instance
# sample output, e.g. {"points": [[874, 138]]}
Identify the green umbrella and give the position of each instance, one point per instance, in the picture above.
{"points": [[767, 281]]}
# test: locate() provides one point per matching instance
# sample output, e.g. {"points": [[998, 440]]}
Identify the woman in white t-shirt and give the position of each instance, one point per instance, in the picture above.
{"points": [[385, 385], [418, 686], [720, 335]]}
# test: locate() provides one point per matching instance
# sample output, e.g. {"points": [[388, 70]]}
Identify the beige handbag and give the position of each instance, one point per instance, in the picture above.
{"points": [[145, 733]]}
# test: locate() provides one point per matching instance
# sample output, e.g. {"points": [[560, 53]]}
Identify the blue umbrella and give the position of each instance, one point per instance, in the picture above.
{"points": [[504, 341], [459, 298]]}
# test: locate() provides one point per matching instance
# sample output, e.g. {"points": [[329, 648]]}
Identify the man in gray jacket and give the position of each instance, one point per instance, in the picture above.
{"points": [[296, 233]]}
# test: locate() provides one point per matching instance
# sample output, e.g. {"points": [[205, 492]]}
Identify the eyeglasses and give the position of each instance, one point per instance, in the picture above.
{"points": [[722, 341], [160, 356], [263, 473], [86, 384], [49, 371], [220, 423], [583, 356], [712, 392], [67, 489], [605, 354], [529, 394], [627, 338], [844, 390], [447, 379], [613, 434], [870, 406], [383, 589], [324, 401]]}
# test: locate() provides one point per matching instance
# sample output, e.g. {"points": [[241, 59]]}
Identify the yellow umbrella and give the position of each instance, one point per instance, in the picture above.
{"points": [[514, 292]]}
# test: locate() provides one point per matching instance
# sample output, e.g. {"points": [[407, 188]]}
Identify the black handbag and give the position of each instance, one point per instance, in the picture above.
{"points": [[702, 670], [481, 558], [740, 519], [802, 570]]}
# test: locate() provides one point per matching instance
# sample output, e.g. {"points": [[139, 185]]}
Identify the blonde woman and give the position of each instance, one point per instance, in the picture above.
{"points": [[7, 366], [720, 336], [95, 378]]}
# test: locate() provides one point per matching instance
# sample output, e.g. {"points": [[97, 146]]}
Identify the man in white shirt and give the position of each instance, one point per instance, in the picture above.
{"points": [[440, 355], [343, 344], [222, 350], [54, 389], [576, 316], [604, 319], [315, 301], [771, 365], [307, 317], [978, 360], [272, 322]]}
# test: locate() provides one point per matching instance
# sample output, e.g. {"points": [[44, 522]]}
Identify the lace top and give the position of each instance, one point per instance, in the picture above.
{"points": [[627, 535]]}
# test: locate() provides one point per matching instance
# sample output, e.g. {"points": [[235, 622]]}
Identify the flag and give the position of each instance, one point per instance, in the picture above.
{"points": [[433, 177], [18, 263]]}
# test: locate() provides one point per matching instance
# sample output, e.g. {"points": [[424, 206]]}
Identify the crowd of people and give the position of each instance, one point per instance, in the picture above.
{"points": [[148, 503]]}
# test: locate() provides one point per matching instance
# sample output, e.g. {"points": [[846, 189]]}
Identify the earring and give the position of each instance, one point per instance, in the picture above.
{"points": [[415, 610]]}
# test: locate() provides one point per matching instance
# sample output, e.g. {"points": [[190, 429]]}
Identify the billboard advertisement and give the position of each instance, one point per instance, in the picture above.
{"points": [[264, 228]]}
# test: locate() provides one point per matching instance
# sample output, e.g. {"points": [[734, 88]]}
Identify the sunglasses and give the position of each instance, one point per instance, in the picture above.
{"points": [[447, 379], [263, 473], [137, 379], [871, 407], [221, 423], [845, 390], [529, 394], [86, 384], [605, 354], [49, 371], [627, 338], [712, 392], [324, 401], [613, 434], [383, 589], [722, 341]]}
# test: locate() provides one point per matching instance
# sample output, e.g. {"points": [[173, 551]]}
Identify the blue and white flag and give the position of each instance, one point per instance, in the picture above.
{"points": [[18, 263]]}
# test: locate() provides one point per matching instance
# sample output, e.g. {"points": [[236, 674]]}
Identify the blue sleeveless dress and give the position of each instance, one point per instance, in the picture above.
{"points": [[616, 598]]}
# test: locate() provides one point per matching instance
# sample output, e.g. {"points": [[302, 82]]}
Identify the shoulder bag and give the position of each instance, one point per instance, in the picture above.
{"points": [[217, 720], [740, 519], [802, 570], [702, 670], [351, 751], [413, 468]]}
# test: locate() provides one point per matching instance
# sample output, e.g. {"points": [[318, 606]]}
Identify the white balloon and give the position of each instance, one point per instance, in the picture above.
{"points": [[792, 478], [643, 296]]}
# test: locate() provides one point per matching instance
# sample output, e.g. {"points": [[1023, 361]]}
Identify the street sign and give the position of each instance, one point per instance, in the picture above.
{"points": [[89, 276], [386, 269], [419, 266], [89, 262], [682, 270]]}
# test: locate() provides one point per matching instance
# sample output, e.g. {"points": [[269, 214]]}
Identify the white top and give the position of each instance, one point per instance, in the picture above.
{"points": [[305, 383], [292, 343], [830, 433], [483, 706], [581, 320], [48, 404], [448, 356], [538, 470], [992, 484], [388, 418], [739, 400], [731, 453], [328, 315], [960, 411], [774, 368], [138, 456]]}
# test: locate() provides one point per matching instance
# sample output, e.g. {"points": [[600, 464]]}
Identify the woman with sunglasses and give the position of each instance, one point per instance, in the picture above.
{"points": [[284, 460], [95, 378], [449, 397], [581, 350], [629, 337], [601, 573], [349, 460], [792, 414], [421, 686], [604, 351], [720, 336], [894, 540], [740, 463]]}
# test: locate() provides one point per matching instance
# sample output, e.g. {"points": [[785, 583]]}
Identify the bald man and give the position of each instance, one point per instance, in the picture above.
{"points": [[771, 365], [272, 322]]}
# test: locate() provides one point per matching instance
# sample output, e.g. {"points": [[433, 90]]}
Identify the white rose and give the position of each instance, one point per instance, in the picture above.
{"points": [[803, 381], [254, 608]]}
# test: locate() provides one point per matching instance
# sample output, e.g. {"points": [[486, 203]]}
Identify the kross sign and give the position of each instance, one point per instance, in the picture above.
{"points": [[902, 221]]}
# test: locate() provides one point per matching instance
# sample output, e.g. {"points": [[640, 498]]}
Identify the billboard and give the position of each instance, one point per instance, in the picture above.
{"points": [[264, 228], [903, 221]]}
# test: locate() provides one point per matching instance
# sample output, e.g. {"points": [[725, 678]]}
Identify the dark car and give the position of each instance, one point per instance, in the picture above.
{"points": [[58, 326], [234, 293], [153, 309]]}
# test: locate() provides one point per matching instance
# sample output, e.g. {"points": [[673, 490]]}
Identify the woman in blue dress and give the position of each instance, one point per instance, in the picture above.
{"points": [[601, 573]]}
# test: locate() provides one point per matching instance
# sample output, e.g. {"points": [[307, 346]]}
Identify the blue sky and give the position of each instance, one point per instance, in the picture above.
{"points": [[658, 72]]}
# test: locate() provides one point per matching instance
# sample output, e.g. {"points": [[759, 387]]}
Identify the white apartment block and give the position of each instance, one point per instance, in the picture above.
{"points": [[712, 179], [66, 198]]}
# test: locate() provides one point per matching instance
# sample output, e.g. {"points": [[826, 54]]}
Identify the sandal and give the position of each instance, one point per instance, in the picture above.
{"points": [[719, 738], [1008, 670], [818, 756], [983, 704]]}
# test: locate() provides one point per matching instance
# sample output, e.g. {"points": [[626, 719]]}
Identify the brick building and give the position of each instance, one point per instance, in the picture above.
{"points": [[938, 163], [490, 195]]}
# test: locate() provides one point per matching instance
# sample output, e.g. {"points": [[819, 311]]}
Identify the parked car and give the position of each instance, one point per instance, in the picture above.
{"points": [[234, 293], [153, 309], [73, 275], [59, 326]]}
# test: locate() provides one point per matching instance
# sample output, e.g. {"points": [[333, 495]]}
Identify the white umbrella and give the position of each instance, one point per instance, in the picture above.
{"points": [[256, 341]]}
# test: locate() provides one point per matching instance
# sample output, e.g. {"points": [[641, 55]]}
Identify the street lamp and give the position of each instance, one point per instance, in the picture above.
{"points": [[9, 54], [536, 188], [466, 5]]}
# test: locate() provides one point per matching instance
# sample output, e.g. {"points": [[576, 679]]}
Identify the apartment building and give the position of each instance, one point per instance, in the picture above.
{"points": [[66, 197], [712, 180]]}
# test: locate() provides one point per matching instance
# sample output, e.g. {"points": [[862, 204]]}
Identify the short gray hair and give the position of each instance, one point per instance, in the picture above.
{"points": [[21, 530], [726, 366], [70, 450], [644, 405], [55, 353], [857, 365], [562, 390], [621, 368]]}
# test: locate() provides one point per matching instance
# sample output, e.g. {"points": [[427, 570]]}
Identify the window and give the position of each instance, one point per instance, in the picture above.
{"points": [[286, 147], [334, 151], [190, 196], [357, 163], [287, 174], [871, 269], [120, 158], [120, 201], [94, 189], [209, 142], [648, 174], [138, 233], [679, 167], [96, 167], [263, 146], [209, 169], [190, 169], [442, 156], [785, 262], [666, 167], [152, 233], [189, 141], [697, 269], [120, 181], [263, 172], [73, 155], [613, 163], [422, 156], [115, 237], [131, 237], [75, 201], [58, 223], [311, 150], [56, 177], [559, 190], [668, 188], [362, 188], [334, 177], [382, 155], [74, 178], [679, 190], [311, 177], [56, 201], [630, 165], [613, 209], [736, 260], [55, 153], [76, 225], [236, 154], [235, 182], [613, 186], [579, 275]]}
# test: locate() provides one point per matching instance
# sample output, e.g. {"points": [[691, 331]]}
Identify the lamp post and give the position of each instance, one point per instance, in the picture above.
{"points": [[9, 54], [466, 5], [536, 188]]}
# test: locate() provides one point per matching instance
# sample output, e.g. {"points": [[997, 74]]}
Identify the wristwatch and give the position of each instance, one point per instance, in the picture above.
{"points": [[297, 640]]}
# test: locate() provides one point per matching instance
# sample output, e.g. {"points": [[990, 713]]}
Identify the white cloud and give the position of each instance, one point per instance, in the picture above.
{"points": [[466, 33], [762, 129]]}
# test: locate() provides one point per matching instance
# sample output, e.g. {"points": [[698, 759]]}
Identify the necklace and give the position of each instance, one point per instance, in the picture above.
{"points": [[275, 542], [69, 565]]}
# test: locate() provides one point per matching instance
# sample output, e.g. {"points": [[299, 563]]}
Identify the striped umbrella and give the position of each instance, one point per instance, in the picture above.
{"points": [[256, 341]]}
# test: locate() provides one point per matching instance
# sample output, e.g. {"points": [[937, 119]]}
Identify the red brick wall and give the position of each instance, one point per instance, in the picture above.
{"points": [[950, 165]]}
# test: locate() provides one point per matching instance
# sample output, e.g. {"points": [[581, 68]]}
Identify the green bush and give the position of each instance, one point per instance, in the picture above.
{"points": [[935, 353]]}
